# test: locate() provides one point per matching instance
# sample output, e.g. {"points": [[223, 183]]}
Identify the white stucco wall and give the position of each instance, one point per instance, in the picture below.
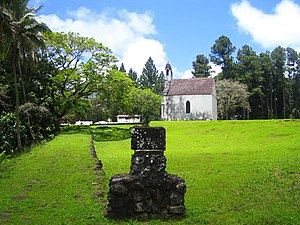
{"points": [[201, 107], [214, 103]]}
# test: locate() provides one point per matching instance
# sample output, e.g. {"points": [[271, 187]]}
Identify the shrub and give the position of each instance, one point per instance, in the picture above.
{"points": [[39, 117], [8, 132]]}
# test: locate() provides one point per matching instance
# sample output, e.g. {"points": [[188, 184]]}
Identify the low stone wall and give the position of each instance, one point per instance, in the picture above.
{"points": [[148, 191]]}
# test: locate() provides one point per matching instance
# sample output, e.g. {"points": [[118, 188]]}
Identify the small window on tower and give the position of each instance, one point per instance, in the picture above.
{"points": [[188, 107]]}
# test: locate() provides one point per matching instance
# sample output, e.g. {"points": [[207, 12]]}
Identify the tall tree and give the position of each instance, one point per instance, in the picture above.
{"points": [[133, 75], [296, 91], [249, 72], [122, 68], [292, 58], [8, 32], [31, 38], [20, 32], [79, 66], [201, 66], [278, 56], [151, 79], [267, 69], [221, 54]]}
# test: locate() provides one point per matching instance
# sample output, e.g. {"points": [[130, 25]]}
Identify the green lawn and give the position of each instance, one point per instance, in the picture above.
{"points": [[52, 184], [237, 172]]}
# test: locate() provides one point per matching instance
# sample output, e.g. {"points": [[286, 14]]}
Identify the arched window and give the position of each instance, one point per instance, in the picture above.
{"points": [[188, 107]]}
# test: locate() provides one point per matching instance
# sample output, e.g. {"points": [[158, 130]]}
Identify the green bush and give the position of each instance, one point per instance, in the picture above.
{"points": [[8, 133], [39, 117]]}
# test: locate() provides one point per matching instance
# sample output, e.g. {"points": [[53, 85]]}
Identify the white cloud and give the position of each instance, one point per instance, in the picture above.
{"points": [[215, 69], [270, 30], [140, 50], [187, 74], [125, 33], [140, 23]]}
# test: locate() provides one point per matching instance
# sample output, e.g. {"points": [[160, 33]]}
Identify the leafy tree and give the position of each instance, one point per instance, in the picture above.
{"points": [[113, 96], [232, 96], [151, 79], [201, 66], [119, 95], [146, 103], [79, 65], [221, 53]]}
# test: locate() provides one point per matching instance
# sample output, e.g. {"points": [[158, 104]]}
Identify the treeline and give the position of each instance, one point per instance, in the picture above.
{"points": [[272, 79], [48, 78]]}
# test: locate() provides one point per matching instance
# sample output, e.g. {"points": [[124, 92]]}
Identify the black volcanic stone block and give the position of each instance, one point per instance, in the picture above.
{"points": [[148, 138], [148, 191]]}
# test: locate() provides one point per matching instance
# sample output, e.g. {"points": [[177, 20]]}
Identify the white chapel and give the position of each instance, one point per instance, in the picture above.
{"points": [[188, 99]]}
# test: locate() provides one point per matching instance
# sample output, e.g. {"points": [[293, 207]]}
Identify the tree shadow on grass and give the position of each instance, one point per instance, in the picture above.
{"points": [[101, 133], [110, 133], [75, 130]]}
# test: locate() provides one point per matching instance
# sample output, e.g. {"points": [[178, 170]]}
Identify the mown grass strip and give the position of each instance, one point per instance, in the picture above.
{"points": [[52, 184]]}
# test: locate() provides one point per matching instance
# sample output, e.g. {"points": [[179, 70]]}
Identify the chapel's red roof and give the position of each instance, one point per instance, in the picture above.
{"points": [[193, 86]]}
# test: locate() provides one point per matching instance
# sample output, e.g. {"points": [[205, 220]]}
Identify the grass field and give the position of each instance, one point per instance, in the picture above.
{"points": [[52, 184], [237, 172]]}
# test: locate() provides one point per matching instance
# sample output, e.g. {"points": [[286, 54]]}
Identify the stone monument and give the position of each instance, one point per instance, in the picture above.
{"points": [[148, 191]]}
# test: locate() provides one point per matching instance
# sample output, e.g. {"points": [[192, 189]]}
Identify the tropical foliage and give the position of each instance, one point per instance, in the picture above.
{"points": [[20, 37], [48, 78]]}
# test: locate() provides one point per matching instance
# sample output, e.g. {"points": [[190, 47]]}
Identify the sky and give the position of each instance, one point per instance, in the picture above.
{"points": [[175, 31]]}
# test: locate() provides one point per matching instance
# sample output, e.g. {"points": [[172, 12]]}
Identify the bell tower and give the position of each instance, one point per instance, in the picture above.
{"points": [[169, 73]]}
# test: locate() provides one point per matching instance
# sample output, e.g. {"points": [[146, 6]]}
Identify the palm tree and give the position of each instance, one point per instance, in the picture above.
{"points": [[30, 38], [20, 33], [7, 28]]}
